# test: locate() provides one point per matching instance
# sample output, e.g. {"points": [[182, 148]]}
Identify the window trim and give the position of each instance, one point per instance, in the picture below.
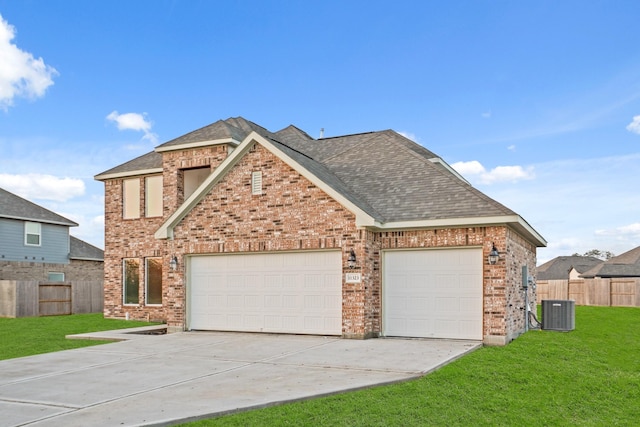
{"points": [[28, 233], [146, 281], [124, 281]]}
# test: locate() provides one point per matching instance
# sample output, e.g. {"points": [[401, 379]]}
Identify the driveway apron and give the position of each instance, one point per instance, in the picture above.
{"points": [[165, 379]]}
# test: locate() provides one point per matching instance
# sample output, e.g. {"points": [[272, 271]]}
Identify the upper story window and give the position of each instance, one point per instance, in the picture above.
{"points": [[32, 233], [153, 196], [131, 198], [193, 178]]}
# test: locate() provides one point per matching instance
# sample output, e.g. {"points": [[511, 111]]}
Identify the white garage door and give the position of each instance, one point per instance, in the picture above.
{"points": [[297, 293], [433, 293]]}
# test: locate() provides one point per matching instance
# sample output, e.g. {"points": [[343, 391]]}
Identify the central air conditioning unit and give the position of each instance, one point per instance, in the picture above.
{"points": [[558, 315]]}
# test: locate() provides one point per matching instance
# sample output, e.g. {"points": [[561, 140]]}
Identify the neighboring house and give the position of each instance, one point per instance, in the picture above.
{"points": [[624, 265], [567, 267], [35, 245], [233, 227]]}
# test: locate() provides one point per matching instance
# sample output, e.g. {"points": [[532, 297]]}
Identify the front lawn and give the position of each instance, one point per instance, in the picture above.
{"points": [[587, 377], [27, 336]]}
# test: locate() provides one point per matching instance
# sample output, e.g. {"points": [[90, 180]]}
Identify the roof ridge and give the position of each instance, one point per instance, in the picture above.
{"points": [[293, 149], [351, 134], [356, 145]]}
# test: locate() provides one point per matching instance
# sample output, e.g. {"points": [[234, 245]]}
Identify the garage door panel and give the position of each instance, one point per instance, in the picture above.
{"points": [[287, 292], [433, 293]]}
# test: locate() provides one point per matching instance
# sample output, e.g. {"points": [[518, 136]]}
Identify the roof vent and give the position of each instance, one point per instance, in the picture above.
{"points": [[321, 133]]}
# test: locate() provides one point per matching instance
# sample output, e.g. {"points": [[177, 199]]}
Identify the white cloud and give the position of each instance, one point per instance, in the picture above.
{"points": [[134, 121], [21, 75], [631, 231], [474, 169], [486, 114], [43, 187], [634, 126], [512, 147]]}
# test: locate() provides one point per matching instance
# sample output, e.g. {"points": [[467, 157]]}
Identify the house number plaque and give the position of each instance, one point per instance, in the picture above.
{"points": [[353, 277]]}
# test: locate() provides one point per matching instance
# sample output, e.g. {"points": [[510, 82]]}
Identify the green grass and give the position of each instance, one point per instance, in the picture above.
{"points": [[27, 336], [587, 377]]}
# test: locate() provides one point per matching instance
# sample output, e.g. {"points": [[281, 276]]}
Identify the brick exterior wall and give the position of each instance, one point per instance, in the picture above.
{"points": [[292, 214], [76, 270]]}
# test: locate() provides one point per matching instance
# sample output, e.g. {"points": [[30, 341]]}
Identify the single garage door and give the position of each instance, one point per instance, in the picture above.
{"points": [[298, 293], [433, 293]]}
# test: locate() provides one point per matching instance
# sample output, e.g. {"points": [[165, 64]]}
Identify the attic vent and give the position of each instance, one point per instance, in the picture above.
{"points": [[256, 183]]}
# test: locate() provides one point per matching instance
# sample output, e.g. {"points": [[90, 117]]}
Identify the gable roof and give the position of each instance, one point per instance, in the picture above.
{"points": [[385, 179], [624, 265], [559, 267], [81, 250], [15, 207]]}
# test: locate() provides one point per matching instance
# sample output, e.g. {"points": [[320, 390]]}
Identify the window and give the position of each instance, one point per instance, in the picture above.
{"points": [[131, 198], [193, 178], [256, 183], [131, 280], [32, 233], [153, 281], [55, 277], [153, 196]]}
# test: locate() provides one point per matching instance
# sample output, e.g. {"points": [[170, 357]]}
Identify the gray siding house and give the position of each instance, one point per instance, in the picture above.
{"points": [[35, 245]]}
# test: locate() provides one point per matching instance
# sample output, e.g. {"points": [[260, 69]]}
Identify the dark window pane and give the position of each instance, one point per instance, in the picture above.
{"points": [[154, 280], [131, 281]]}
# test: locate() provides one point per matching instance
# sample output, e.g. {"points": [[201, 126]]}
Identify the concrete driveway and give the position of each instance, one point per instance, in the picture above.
{"points": [[164, 379]]}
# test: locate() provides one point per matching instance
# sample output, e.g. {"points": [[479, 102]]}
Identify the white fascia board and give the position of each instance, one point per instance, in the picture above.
{"points": [[166, 229], [198, 144], [446, 165], [107, 176], [363, 219], [515, 221], [42, 221]]}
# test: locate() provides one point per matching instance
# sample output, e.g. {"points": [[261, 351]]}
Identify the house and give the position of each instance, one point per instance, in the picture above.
{"points": [[624, 265], [567, 267], [233, 227], [35, 245]]}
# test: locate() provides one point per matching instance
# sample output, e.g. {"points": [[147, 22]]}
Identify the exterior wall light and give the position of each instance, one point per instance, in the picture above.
{"points": [[494, 255], [173, 264], [351, 261]]}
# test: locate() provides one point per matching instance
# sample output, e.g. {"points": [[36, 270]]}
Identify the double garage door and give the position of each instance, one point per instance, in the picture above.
{"points": [[426, 293], [298, 292]]}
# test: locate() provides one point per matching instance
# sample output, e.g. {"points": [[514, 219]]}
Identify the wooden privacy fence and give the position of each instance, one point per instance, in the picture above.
{"points": [[26, 298], [620, 292]]}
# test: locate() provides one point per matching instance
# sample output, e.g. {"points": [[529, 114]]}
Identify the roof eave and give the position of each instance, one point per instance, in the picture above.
{"points": [[80, 258], [166, 229], [198, 144], [514, 221], [106, 176], [43, 221]]}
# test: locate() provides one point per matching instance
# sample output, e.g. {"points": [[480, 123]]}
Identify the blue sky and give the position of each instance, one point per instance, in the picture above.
{"points": [[536, 103]]}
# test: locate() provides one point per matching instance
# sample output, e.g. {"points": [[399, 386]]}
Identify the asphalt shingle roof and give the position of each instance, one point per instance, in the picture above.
{"points": [[624, 265], [152, 160], [81, 250], [559, 267], [388, 176], [15, 207]]}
